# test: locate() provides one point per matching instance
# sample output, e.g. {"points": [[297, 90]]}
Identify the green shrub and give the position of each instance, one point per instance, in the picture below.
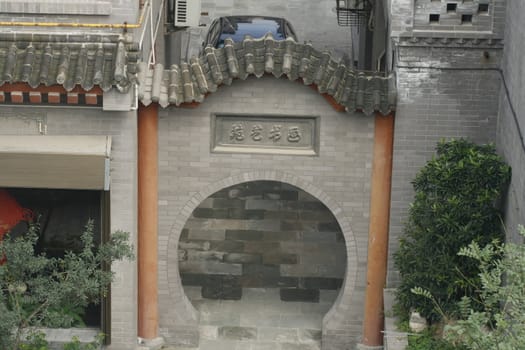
{"points": [[35, 341], [75, 344], [428, 340], [34, 288], [456, 196], [501, 323]]}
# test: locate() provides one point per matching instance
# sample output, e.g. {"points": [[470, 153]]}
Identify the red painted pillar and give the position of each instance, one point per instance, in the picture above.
{"points": [[378, 230], [148, 315]]}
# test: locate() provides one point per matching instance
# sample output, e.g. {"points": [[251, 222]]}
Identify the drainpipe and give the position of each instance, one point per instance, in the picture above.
{"points": [[378, 232], [148, 315]]}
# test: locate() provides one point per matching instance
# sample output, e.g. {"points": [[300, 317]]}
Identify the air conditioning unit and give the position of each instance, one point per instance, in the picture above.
{"points": [[187, 13]]}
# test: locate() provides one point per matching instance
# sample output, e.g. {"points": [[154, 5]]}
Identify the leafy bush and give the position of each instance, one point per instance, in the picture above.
{"points": [[428, 340], [75, 344], [34, 287], [456, 196], [35, 341], [501, 323]]}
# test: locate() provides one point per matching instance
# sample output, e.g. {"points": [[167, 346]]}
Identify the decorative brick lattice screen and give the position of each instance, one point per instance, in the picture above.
{"points": [[450, 15]]}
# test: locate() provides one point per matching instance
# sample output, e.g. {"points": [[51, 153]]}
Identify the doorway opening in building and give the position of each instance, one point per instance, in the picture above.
{"points": [[262, 262], [61, 217]]}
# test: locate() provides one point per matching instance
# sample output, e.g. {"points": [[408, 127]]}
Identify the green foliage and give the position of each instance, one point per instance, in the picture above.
{"points": [[455, 203], [501, 323], [428, 340], [35, 341], [36, 290], [64, 316], [75, 344]]}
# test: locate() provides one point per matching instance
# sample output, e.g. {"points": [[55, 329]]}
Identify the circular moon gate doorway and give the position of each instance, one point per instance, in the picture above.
{"points": [[262, 262]]}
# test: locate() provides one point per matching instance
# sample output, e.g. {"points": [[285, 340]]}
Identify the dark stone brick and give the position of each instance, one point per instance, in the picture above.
{"points": [[321, 283], [183, 254], [260, 247], [194, 244], [300, 205], [274, 195], [227, 246], [331, 226], [291, 225], [258, 276], [246, 214], [221, 194], [240, 258], [321, 237], [265, 186], [244, 235], [279, 236], [224, 287], [184, 234], [210, 213], [312, 206], [319, 215], [304, 295], [290, 205], [253, 190], [289, 195], [237, 333], [283, 215], [277, 258], [288, 282], [228, 213], [193, 279], [294, 225], [228, 203], [339, 237], [219, 293]]}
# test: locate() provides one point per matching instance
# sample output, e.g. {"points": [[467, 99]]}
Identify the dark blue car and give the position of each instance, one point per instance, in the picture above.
{"points": [[237, 27]]}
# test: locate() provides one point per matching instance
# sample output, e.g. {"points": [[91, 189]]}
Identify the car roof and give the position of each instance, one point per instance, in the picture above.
{"points": [[237, 27]]}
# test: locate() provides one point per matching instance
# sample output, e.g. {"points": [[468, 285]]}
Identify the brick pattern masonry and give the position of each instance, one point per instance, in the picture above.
{"points": [[262, 234]]}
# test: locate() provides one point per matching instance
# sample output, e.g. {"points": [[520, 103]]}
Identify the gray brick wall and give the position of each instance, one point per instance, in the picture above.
{"points": [[57, 7], [401, 16], [122, 128], [410, 17], [509, 143], [339, 177], [82, 11], [459, 100], [448, 87]]}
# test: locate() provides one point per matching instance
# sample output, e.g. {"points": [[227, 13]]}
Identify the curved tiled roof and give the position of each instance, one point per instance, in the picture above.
{"points": [[191, 81], [90, 63]]}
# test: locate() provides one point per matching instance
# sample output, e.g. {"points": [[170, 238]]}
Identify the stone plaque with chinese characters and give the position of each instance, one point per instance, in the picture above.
{"points": [[296, 135]]}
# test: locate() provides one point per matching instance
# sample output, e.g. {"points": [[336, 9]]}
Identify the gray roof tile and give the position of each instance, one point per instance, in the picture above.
{"points": [[87, 64], [190, 82]]}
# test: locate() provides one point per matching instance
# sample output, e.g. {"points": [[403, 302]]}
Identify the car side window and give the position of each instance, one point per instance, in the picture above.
{"points": [[290, 32], [213, 32]]}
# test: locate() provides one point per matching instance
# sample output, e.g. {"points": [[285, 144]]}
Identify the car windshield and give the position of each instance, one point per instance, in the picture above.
{"points": [[237, 27]]}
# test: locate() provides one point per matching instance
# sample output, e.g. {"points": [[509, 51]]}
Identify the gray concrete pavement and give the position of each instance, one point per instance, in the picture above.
{"points": [[259, 321]]}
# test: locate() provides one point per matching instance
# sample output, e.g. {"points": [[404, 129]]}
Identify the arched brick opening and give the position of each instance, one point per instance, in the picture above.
{"points": [[182, 308]]}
